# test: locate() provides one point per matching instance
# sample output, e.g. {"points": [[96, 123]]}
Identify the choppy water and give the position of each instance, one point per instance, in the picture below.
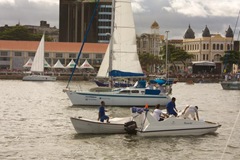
{"points": [[35, 124]]}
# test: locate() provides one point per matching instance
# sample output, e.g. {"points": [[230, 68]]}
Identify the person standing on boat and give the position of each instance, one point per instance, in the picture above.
{"points": [[191, 110], [171, 107], [101, 114], [157, 113]]}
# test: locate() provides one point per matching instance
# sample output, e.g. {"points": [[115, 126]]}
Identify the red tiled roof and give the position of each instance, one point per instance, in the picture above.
{"points": [[63, 47]]}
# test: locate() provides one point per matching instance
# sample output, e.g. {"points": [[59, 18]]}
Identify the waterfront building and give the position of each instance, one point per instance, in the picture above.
{"points": [[14, 54], [75, 15], [210, 47]]}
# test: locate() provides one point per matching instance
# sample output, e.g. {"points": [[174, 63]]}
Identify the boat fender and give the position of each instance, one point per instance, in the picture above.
{"points": [[130, 127]]}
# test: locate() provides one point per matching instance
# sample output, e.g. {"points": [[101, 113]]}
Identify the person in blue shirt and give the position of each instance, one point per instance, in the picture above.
{"points": [[101, 114], [171, 107]]}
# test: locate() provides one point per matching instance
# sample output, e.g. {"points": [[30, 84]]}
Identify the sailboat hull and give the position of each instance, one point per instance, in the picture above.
{"points": [[116, 99], [39, 78]]}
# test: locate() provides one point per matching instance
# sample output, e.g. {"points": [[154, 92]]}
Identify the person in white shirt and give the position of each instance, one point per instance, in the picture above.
{"points": [[158, 114], [191, 110]]}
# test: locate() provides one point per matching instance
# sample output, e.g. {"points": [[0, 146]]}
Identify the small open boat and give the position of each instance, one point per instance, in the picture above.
{"points": [[87, 126], [147, 125], [230, 85]]}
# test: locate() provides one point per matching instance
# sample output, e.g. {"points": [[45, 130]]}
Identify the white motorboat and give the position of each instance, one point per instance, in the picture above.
{"points": [[147, 125], [37, 66], [87, 126]]}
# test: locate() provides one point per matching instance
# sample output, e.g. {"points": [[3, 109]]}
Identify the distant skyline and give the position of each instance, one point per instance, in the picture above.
{"points": [[171, 15]]}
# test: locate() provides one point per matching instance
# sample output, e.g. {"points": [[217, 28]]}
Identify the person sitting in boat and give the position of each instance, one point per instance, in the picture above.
{"points": [[150, 86], [171, 107], [158, 114], [101, 114], [191, 110]]}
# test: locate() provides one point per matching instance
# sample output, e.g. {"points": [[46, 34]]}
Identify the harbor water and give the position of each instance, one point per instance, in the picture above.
{"points": [[35, 124]]}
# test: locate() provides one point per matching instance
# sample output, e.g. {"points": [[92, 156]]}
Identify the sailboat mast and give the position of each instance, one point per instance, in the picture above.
{"points": [[111, 43]]}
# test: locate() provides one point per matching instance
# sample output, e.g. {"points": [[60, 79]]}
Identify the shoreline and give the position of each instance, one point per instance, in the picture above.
{"points": [[60, 76], [91, 76]]}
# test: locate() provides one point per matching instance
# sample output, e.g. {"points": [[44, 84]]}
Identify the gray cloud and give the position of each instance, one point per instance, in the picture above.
{"points": [[176, 15], [28, 12], [172, 15]]}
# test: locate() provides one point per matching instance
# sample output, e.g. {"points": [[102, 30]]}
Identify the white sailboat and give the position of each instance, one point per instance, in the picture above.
{"points": [[120, 60], [28, 64], [37, 68]]}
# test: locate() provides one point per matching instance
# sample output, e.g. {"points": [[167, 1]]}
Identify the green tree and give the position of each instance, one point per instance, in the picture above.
{"points": [[20, 33], [148, 61], [176, 55], [230, 58]]}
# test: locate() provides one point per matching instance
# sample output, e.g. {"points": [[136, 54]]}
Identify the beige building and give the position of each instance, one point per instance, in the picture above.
{"points": [[150, 43], [209, 47]]}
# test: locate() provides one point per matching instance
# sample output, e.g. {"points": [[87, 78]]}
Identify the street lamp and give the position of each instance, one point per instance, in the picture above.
{"points": [[166, 54]]}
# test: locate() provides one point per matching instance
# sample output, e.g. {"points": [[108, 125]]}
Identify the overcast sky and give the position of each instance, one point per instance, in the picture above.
{"points": [[171, 15]]}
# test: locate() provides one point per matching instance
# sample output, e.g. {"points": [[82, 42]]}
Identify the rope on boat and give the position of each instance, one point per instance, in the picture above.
{"points": [[84, 40], [230, 135]]}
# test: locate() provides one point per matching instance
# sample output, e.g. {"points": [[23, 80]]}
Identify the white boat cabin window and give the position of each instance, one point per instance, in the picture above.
{"points": [[135, 91], [124, 92]]}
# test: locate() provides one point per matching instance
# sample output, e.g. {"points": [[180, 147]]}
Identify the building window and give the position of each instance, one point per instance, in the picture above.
{"points": [[85, 56], [228, 46], [217, 46], [72, 55], [144, 44], [203, 56], [46, 54], [99, 56], [214, 46], [4, 58], [207, 46], [221, 47], [18, 54], [204, 46], [59, 55], [3, 53], [31, 54]]}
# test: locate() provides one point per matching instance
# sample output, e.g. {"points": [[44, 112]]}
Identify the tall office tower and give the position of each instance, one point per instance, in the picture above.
{"points": [[74, 18]]}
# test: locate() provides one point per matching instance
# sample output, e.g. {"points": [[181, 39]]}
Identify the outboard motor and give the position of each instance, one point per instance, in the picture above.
{"points": [[130, 127]]}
